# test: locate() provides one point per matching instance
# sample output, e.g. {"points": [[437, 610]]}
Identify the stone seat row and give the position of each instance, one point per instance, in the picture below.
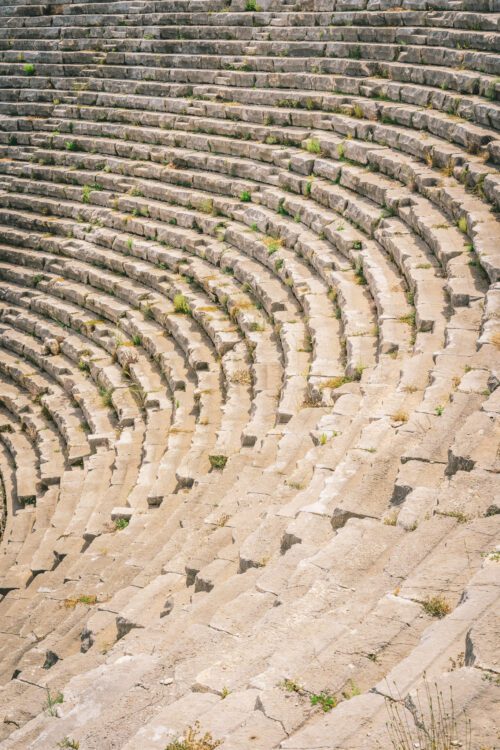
{"points": [[261, 56], [241, 307], [122, 399], [24, 459], [22, 540], [283, 331], [257, 349], [200, 310], [121, 455], [338, 233], [184, 399], [438, 13], [469, 169], [151, 39], [68, 420], [294, 269], [19, 340], [386, 104], [372, 185], [349, 75], [49, 444]]}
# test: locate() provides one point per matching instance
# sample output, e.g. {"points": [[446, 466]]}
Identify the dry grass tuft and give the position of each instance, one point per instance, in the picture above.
{"points": [[436, 606], [432, 724], [88, 599], [193, 740], [400, 416]]}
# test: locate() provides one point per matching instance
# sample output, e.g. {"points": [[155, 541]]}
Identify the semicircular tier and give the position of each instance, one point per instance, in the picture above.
{"points": [[249, 368]]}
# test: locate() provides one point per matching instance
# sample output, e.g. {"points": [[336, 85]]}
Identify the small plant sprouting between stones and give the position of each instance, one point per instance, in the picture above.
{"points": [[436, 606], [313, 146], [242, 377], [218, 462], [428, 723], [456, 514], [400, 416], [245, 196], [181, 305], [29, 69], [325, 701], [106, 395], [335, 382], [31, 500], [121, 523], [67, 743], [391, 520], [291, 686], [359, 275], [84, 366], [194, 740], [350, 691], [52, 702], [273, 245], [86, 190], [88, 599], [494, 555]]}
